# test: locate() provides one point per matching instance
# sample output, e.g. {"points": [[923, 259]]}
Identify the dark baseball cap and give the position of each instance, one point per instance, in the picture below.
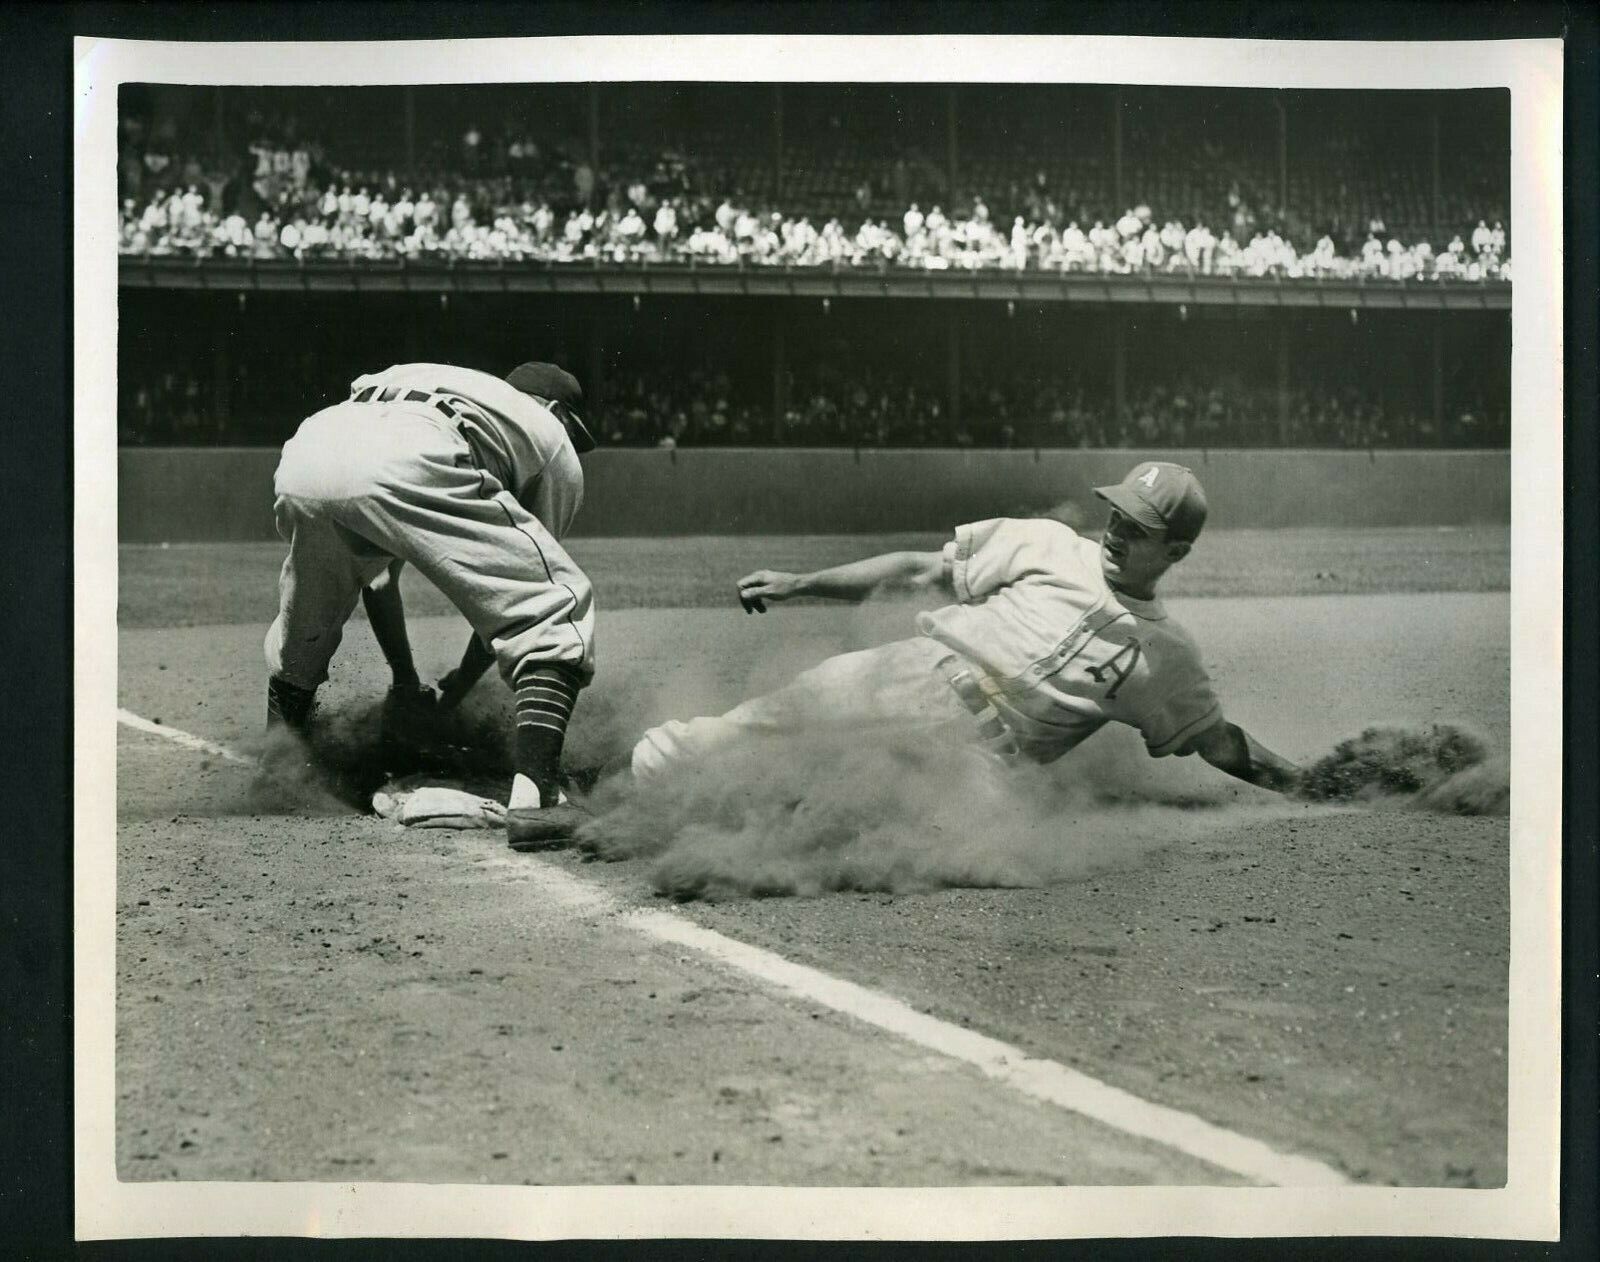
{"points": [[1163, 498], [556, 384]]}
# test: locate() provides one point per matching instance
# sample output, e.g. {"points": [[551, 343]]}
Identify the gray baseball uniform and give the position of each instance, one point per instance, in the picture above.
{"points": [[458, 473]]}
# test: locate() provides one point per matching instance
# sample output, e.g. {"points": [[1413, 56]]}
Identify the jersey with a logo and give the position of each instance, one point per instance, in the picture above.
{"points": [[1059, 653], [513, 436]]}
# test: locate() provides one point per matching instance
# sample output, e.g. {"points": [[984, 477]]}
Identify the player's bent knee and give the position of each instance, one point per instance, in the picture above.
{"points": [[665, 747], [649, 760]]}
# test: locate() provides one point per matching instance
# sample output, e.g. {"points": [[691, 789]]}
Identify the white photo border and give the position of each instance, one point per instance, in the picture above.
{"points": [[1526, 1208]]}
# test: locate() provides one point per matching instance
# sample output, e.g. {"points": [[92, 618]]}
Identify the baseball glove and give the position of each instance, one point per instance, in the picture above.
{"points": [[407, 718]]}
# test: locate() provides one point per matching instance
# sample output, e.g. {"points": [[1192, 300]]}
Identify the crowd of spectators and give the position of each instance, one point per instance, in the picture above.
{"points": [[672, 408], [356, 221], [167, 407], [890, 408], [509, 194], [511, 199]]}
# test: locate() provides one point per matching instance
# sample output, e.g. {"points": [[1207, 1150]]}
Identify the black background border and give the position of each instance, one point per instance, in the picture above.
{"points": [[36, 234]]}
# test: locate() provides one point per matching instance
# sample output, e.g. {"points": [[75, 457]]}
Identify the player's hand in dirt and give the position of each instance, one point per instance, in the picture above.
{"points": [[409, 712], [1396, 763], [764, 585]]}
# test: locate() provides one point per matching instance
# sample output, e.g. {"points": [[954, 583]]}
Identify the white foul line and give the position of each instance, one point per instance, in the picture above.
{"points": [[1041, 1079], [178, 737]]}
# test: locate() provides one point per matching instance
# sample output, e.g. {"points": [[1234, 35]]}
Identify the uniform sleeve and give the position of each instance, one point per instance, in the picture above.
{"points": [[988, 555], [1179, 702]]}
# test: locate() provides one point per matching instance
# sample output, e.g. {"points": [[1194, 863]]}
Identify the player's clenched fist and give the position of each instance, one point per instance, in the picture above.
{"points": [[764, 585]]}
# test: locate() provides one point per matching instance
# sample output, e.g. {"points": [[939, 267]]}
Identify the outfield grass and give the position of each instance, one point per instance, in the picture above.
{"points": [[201, 584]]}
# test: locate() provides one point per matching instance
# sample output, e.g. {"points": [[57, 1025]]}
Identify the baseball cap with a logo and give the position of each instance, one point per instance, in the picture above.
{"points": [[1161, 497], [557, 385]]}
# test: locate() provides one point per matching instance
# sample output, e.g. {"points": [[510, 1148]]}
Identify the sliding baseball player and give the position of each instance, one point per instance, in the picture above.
{"points": [[1051, 637]]}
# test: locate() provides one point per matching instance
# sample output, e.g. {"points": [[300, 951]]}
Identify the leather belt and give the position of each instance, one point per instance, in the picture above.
{"points": [[992, 730], [481, 457]]}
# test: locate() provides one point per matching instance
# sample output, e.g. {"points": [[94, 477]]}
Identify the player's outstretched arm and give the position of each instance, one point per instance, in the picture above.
{"points": [[387, 614], [855, 580], [455, 686], [1228, 747]]}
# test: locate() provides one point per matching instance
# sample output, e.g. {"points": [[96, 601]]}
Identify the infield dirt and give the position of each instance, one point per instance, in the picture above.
{"points": [[317, 995]]}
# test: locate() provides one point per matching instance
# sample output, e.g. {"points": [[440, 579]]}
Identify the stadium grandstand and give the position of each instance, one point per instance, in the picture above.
{"points": [[830, 264]]}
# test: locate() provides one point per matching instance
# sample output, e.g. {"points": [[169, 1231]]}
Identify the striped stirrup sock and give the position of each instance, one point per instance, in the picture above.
{"points": [[546, 695]]}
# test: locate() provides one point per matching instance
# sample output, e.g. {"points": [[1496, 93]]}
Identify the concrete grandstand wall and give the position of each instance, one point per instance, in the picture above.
{"points": [[169, 494]]}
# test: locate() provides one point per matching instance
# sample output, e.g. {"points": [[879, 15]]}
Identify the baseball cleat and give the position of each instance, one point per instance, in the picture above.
{"points": [[544, 827], [289, 706]]}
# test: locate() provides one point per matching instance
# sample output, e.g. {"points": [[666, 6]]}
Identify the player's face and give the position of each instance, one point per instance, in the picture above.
{"points": [[1131, 558]]}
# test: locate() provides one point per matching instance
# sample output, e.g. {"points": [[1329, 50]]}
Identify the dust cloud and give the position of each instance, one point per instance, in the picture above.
{"points": [[290, 778], [808, 815], [798, 815], [874, 812], [1440, 767], [347, 755]]}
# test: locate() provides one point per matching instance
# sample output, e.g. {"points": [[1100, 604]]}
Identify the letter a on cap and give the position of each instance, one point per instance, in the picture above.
{"points": [[1160, 497]]}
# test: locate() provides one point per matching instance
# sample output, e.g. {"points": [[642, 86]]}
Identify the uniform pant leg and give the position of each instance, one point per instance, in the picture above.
{"points": [[497, 563], [534, 604], [334, 457], [318, 587], [895, 686]]}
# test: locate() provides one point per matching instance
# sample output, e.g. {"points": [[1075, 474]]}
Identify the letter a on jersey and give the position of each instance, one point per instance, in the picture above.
{"points": [[1119, 666]]}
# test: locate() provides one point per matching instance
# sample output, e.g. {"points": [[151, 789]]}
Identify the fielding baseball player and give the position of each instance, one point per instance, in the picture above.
{"points": [[1052, 637], [474, 480]]}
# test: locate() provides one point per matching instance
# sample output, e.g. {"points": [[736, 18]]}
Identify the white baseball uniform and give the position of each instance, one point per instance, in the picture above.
{"points": [[455, 471], [1038, 655]]}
